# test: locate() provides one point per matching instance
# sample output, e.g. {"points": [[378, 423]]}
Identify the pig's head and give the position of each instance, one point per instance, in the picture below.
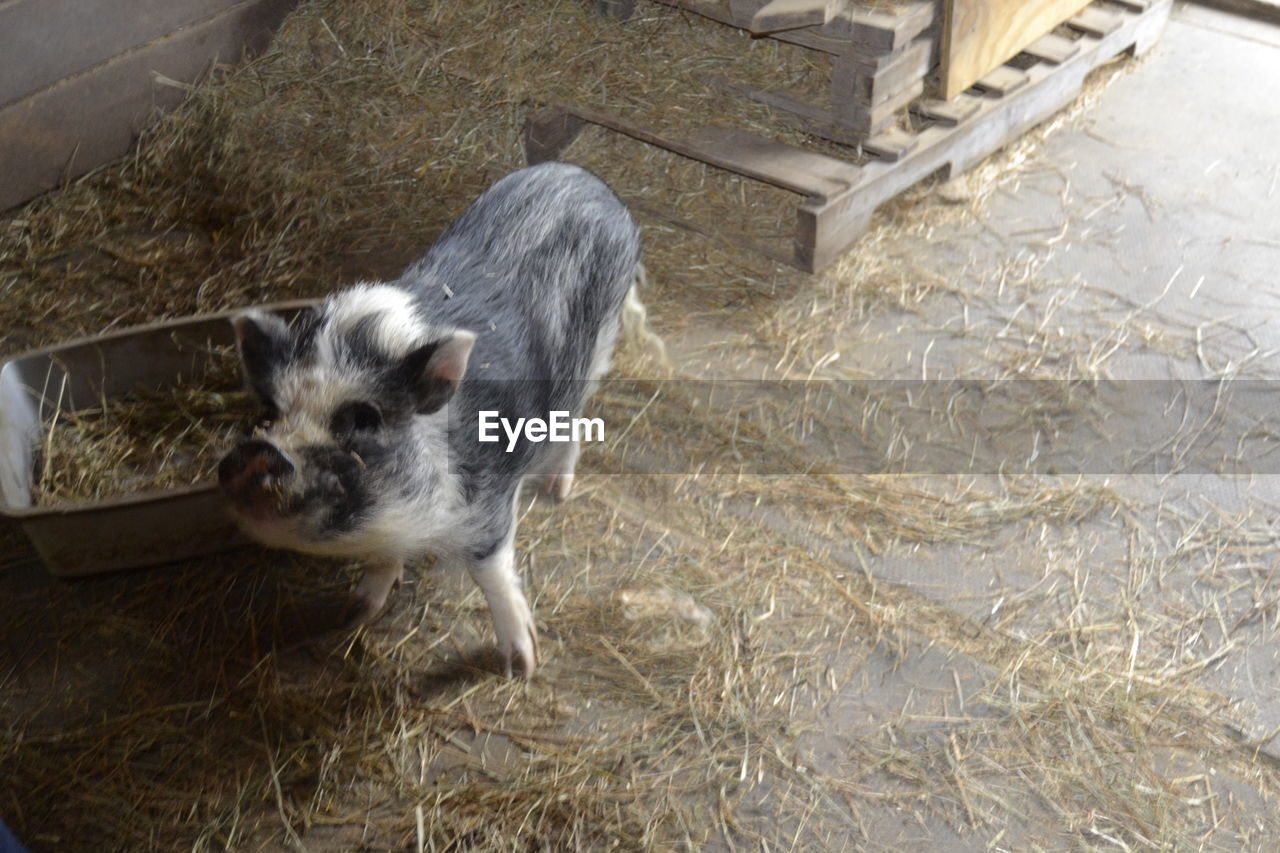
{"points": [[353, 438]]}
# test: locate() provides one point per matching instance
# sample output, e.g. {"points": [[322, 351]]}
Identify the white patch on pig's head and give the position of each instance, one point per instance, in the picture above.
{"points": [[387, 314]]}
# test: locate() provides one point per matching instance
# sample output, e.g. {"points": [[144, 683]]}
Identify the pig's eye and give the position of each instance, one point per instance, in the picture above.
{"points": [[355, 417]]}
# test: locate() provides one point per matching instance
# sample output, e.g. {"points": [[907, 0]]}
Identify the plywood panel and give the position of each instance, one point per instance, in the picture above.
{"points": [[42, 41], [84, 121], [980, 35]]}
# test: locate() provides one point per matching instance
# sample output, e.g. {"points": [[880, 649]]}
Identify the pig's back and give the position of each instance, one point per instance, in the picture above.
{"points": [[536, 267]]}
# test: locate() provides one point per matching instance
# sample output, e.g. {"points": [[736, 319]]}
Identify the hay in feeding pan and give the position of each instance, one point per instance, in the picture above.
{"points": [[108, 444]]}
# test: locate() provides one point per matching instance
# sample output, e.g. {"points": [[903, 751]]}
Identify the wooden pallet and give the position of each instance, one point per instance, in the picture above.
{"points": [[879, 59], [839, 197]]}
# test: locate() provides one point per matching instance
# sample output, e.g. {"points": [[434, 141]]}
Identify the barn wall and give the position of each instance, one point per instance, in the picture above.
{"points": [[79, 79]]}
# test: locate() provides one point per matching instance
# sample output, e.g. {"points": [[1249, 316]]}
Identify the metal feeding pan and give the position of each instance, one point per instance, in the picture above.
{"points": [[137, 529]]}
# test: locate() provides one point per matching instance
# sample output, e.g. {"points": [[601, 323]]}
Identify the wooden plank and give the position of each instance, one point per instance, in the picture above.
{"points": [[791, 14], [67, 129], [886, 30], [1053, 49], [1003, 80], [741, 152], [892, 145], [43, 41], [805, 172], [1095, 21], [981, 35], [948, 113]]}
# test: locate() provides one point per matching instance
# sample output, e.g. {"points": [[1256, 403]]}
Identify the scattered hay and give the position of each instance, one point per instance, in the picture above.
{"points": [[146, 440], [202, 706]]}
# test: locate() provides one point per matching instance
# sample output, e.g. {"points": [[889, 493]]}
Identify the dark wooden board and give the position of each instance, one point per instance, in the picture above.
{"points": [[77, 125], [43, 41], [739, 151], [872, 120], [773, 162], [856, 82], [855, 29]]}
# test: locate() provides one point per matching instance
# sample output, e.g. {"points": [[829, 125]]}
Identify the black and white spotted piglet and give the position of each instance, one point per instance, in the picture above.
{"points": [[371, 449]]}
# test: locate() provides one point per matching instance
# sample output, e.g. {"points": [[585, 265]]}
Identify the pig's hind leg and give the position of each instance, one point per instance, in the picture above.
{"points": [[557, 477]]}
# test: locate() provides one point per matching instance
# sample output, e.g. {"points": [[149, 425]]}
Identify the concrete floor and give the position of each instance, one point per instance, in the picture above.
{"points": [[1149, 220], [1157, 207]]}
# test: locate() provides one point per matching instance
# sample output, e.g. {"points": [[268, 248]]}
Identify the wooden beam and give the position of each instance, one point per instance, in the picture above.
{"points": [[854, 29], [892, 145]]}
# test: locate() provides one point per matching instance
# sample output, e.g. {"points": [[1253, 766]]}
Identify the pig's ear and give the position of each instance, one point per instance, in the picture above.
{"points": [[264, 341], [433, 371]]}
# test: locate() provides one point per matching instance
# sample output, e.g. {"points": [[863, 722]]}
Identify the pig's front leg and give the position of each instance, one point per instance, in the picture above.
{"points": [[512, 618], [372, 591]]}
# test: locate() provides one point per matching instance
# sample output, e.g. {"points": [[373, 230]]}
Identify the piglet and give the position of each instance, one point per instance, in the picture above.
{"points": [[370, 446]]}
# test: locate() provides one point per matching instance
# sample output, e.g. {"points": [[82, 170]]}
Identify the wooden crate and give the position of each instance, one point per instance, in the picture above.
{"points": [[77, 80], [838, 197]]}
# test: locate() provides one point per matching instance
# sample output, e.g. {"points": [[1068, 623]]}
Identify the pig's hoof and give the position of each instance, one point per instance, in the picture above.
{"points": [[526, 652], [519, 646], [361, 611], [557, 486]]}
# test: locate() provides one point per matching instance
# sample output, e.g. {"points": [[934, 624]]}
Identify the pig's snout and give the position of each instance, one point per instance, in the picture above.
{"points": [[253, 476]]}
